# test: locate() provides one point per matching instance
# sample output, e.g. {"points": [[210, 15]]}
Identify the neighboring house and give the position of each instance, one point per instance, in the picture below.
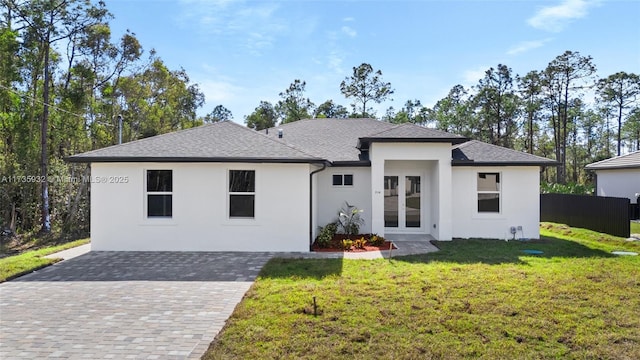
{"points": [[618, 176], [224, 187]]}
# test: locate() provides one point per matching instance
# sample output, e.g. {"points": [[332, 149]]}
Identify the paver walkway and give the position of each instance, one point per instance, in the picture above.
{"points": [[140, 305], [134, 305], [70, 253]]}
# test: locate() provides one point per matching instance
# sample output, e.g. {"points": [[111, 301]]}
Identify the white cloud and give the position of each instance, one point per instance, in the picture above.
{"points": [[219, 91], [472, 76], [253, 26], [526, 46], [348, 19], [349, 31], [556, 18], [334, 62]]}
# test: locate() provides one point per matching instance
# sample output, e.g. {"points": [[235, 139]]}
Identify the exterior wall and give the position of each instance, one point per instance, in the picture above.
{"points": [[519, 203], [624, 183], [439, 155], [200, 209], [332, 198]]}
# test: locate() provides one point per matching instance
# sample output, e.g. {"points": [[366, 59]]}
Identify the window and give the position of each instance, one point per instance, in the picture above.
{"points": [[488, 192], [159, 193], [242, 193], [342, 180]]}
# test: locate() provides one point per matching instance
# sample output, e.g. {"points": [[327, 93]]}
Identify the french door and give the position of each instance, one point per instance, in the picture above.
{"points": [[402, 203]]}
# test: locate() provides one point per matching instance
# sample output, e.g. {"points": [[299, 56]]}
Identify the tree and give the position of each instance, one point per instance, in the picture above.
{"points": [[530, 89], [620, 92], [364, 86], [631, 129], [567, 74], [294, 106], [263, 117], [412, 112], [498, 106], [592, 127], [10, 125], [453, 113], [62, 84], [331, 110], [158, 101], [219, 113], [51, 21]]}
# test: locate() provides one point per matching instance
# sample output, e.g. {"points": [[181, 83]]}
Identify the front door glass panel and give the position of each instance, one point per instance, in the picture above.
{"points": [[391, 207], [412, 202]]}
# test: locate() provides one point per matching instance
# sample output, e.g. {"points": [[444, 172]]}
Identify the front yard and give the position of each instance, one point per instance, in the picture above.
{"points": [[32, 260], [474, 298]]}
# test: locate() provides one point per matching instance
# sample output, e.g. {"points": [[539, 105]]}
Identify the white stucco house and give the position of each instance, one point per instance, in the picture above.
{"points": [[618, 176], [224, 187]]}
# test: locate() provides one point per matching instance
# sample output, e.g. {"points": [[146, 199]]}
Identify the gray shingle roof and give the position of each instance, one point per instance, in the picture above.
{"points": [[339, 139], [478, 153], [331, 139], [224, 141], [412, 131], [629, 161], [311, 140]]}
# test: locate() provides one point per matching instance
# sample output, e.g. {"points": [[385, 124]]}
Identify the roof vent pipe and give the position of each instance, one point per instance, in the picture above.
{"points": [[266, 131], [280, 133]]}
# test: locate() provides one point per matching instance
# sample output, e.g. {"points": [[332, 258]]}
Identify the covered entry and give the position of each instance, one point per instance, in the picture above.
{"points": [[411, 185], [403, 202], [407, 196]]}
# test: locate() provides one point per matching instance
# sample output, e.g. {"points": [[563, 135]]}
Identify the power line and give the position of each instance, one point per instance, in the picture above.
{"points": [[41, 102]]}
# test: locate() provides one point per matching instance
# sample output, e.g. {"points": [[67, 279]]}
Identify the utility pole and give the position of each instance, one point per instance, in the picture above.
{"points": [[119, 129]]}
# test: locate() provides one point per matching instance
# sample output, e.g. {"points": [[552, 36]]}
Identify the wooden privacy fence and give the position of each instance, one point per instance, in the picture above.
{"points": [[607, 215]]}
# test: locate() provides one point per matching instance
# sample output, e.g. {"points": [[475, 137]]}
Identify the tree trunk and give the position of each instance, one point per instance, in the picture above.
{"points": [[46, 217], [565, 106], [530, 133], [71, 218], [12, 224], [619, 127]]}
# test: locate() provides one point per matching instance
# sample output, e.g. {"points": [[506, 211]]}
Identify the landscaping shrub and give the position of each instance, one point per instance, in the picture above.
{"points": [[347, 244], [349, 220], [360, 243], [376, 240], [570, 188], [326, 234]]}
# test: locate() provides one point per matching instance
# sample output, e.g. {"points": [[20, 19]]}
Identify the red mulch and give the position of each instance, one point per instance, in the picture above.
{"points": [[336, 244]]}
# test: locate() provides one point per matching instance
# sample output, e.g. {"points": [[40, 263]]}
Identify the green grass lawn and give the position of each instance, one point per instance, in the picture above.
{"points": [[635, 228], [14, 266], [474, 298]]}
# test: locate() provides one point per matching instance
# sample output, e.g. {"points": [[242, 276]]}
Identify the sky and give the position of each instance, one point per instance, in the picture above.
{"points": [[243, 52]]}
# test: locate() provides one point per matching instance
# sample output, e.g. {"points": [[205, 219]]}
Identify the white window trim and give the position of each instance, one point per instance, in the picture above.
{"points": [[245, 220], [342, 175], [157, 220], [499, 192]]}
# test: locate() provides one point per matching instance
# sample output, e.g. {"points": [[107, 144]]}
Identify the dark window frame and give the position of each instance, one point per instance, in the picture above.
{"points": [[159, 188], [492, 198], [239, 191], [342, 180]]}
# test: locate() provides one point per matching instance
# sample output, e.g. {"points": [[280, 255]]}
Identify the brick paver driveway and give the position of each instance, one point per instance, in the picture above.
{"points": [[133, 305]]}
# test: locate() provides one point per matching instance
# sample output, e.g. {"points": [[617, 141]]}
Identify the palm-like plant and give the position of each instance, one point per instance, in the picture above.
{"points": [[349, 220]]}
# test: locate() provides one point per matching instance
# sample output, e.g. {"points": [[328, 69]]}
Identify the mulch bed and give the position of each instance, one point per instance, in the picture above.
{"points": [[335, 245]]}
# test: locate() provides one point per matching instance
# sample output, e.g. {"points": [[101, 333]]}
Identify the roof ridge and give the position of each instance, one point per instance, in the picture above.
{"points": [[393, 127], [413, 125], [320, 119], [279, 142]]}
